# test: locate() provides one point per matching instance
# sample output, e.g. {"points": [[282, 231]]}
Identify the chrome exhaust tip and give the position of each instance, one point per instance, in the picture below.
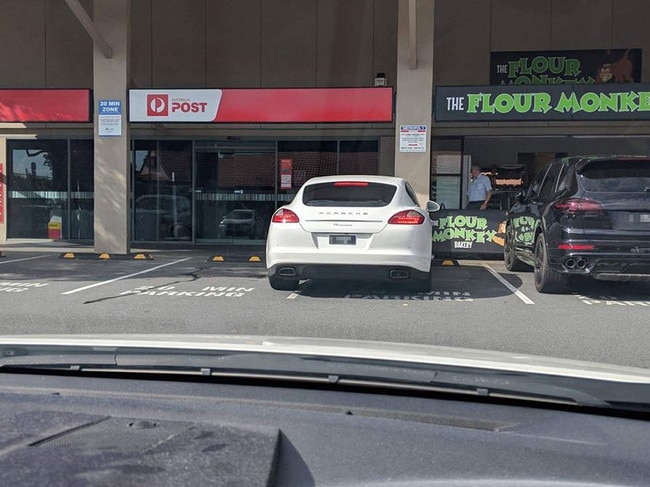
{"points": [[570, 263], [581, 263]]}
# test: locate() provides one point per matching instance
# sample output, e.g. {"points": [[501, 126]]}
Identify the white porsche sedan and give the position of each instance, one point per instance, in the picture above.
{"points": [[351, 227]]}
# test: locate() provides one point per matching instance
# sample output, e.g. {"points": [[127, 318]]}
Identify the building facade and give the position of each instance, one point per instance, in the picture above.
{"points": [[117, 179]]}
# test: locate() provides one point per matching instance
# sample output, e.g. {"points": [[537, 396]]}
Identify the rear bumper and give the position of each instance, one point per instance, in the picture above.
{"points": [[346, 271], [362, 260], [613, 266]]}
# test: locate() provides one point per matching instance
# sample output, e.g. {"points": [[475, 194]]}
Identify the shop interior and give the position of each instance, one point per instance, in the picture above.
{"points": [[508, 180]]}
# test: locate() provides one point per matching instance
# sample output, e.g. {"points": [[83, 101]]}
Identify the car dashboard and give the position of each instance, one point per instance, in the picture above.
{"points": [[59, 429]]}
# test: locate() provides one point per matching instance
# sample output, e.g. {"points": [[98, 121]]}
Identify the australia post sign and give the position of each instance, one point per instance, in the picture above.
{"points": [[174, 105], [290, 105], [625, 101]]}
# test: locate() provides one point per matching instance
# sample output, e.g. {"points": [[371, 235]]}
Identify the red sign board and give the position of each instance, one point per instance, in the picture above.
{"points": [[45, 106], [282, 105], [2, 195]]}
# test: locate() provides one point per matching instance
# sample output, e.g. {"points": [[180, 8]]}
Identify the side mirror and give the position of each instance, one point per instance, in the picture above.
{"points": [[432, 206]]}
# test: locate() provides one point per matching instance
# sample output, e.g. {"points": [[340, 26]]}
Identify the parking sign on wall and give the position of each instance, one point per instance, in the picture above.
{"points": [[109, 114], [412, 138]]}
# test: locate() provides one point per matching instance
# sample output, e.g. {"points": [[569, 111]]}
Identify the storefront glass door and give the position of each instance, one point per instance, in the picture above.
{"points": [[38, 189], [162, 185], [227, 191], [234, 190], [82, 184]]}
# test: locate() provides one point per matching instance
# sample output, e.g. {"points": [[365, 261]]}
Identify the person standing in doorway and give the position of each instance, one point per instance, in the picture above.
{"points": [[479, 190]]}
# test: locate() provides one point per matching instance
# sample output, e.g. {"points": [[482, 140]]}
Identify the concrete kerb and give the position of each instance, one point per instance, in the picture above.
{"points": [[252, 254]]}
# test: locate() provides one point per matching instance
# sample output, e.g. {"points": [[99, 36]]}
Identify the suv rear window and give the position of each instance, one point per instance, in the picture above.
{"points": [[617, 176], [350, 194]]}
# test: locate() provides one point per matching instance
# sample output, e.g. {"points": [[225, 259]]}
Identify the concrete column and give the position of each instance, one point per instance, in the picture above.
{"points": [[110, 82], [415, 94], [387, 156], [3, 189]]}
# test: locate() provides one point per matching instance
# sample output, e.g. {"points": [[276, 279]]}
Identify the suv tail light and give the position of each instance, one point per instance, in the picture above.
{"points": [[575, 205], [407, 217], [285, 216]]}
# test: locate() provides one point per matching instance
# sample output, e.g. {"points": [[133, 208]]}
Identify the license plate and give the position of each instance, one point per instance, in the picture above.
{"points": [[343, 240]]}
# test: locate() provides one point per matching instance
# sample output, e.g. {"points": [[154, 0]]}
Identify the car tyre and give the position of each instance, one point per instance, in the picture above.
{"points": [[510, 258], [546, 279], [281, 284]]}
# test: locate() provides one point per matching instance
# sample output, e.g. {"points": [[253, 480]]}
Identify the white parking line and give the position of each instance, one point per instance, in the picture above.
{"points": [[510, 287], [125, 277], [293, 295], [20, 260]]}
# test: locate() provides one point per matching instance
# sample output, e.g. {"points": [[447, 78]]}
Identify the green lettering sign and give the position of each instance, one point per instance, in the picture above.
{"points": [[473, 101], [504, 103], [556, 64], [644, 101], [485, 102], [540, 64], [567, 104], [572, 67], [590, 102], [465, 228], [628, 102], [524, 71], [608, 102], [542, 102], [523, 102], [552, 103]]}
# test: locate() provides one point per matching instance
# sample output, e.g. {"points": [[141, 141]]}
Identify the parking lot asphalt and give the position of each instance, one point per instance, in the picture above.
{"points": [[476, 304]]}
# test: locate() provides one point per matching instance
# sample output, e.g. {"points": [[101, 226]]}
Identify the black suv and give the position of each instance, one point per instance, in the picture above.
{"points": [[583, 216]]}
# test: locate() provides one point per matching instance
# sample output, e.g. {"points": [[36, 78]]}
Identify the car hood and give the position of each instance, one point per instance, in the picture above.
{"points": [[350, 349]]}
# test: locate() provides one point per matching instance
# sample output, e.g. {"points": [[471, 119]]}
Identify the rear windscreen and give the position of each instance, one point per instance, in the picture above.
{"points": [[617, 176], [348, 194]]}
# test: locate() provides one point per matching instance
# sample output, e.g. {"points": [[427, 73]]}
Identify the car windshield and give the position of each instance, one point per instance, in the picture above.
{"points": [[240, 214], [147, 203], [617, 176], [349, 194], [469, 177]]}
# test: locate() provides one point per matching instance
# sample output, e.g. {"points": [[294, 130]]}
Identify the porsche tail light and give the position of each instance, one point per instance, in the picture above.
{"points": [[407, 217], [285, 216]]}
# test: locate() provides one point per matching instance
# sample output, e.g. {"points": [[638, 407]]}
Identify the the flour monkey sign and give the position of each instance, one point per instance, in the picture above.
{"points": [[626, 101]]}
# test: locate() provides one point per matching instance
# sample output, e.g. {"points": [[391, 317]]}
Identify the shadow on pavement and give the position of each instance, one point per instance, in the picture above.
{"points": [[51, 268], [466, 283], [612, 291]]}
